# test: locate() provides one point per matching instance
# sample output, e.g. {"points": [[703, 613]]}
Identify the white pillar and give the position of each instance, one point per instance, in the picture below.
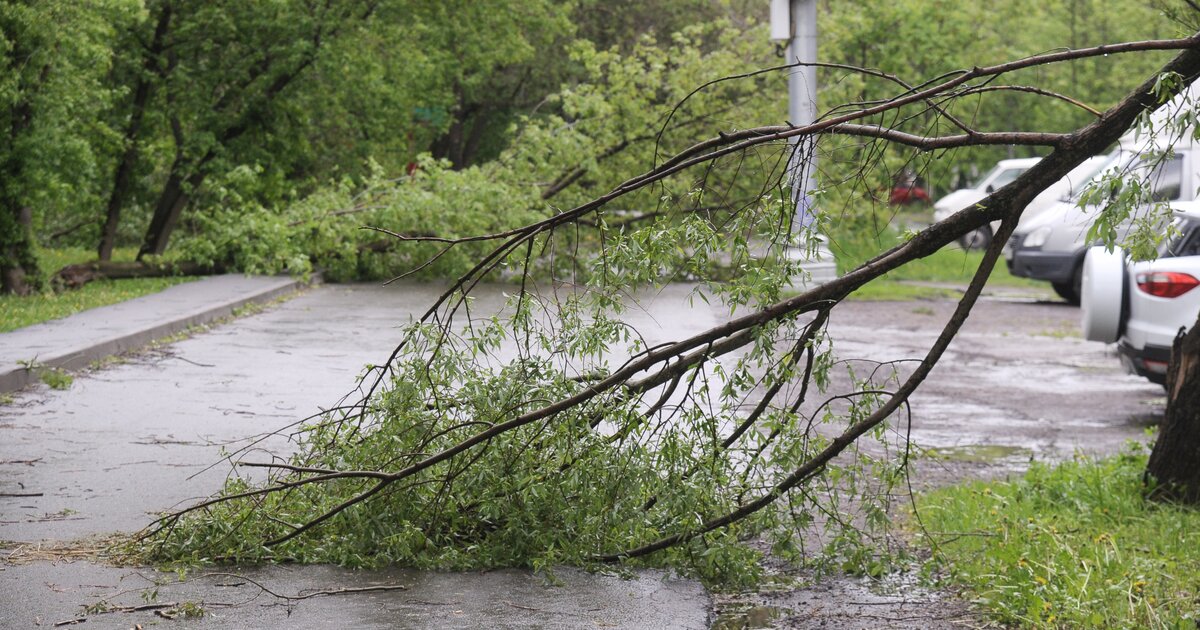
{"points": [[802, 105]]}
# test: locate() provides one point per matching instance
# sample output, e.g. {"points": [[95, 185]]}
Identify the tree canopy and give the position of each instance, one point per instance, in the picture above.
{"points": [[154, 123]]}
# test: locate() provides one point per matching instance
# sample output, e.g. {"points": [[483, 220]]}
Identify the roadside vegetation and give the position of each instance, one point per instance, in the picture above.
{"points": [[20, 311], [220, 135], [1073, 545], [943, 274]]}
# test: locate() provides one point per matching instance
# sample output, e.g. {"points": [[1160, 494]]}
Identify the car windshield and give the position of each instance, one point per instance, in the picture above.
{"points": [[1187, 243], [999, 176]]}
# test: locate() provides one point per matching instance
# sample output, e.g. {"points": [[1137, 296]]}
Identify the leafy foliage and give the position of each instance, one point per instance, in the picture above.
{"points": [[53, 58], [604, 126], [624, 466]]}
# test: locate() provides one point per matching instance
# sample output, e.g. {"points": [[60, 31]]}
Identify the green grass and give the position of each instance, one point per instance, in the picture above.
{"points": [[885, 290], [951, 265], [17, 312], [1070, 546]]}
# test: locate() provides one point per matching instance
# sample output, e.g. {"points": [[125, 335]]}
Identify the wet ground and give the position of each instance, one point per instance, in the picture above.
{"points": [[137, 437], [1018, 383]]}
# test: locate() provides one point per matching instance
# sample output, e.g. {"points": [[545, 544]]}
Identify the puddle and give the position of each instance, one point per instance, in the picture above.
{"points": [[982, 453], [735, 616]]}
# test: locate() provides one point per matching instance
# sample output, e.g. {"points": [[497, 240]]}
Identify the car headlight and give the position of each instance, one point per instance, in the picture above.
{"points": [[1037, 237]]}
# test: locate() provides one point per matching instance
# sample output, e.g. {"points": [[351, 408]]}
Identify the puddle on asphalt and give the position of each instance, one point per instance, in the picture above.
{"points": [[746, 616], [980, 453]]}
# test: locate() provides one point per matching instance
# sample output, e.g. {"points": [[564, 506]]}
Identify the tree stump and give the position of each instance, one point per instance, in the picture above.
{"points": [[1174, 466]]}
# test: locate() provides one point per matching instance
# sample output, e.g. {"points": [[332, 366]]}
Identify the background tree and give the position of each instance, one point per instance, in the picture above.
{"points": [[54, 57]]}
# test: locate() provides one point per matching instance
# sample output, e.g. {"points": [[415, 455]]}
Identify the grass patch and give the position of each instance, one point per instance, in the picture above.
{"points": [[951, 265], [1070, 546], [885, 290], [17, 312]]}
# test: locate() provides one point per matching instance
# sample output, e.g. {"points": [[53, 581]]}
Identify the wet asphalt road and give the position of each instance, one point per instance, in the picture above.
{"points": [[1018, 382], [137, 437]]}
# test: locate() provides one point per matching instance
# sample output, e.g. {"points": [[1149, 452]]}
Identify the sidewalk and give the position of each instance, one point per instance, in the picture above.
{"points": [[139, 437], [74, 342]]}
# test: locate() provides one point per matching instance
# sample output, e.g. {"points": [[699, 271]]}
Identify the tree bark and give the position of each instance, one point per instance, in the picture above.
{"points": [[17, 260], [119, 195], [1173, 472], [171, 201], [75, 276]]}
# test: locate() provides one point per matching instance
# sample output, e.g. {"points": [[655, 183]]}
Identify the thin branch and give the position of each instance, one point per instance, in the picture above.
{"points": [[309, 595], [1032, 90], [848, 437], [930, 143]]}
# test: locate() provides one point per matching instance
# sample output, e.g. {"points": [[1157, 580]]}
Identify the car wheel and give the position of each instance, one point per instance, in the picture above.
{"points": [[976, 239], [1069, 291], [1103, 294]]}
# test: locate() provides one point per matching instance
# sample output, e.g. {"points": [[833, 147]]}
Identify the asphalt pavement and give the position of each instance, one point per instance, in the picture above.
{"points": [[74, 342], [140, 434]]}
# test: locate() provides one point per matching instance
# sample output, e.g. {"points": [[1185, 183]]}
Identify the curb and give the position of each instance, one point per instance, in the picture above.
{"points": [[79, 357]]}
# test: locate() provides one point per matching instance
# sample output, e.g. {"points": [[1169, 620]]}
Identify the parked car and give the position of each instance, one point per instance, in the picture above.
{"points": [[1052, 246], [1004, 172], [1062, 189], [907, 189], [1141, 306]]}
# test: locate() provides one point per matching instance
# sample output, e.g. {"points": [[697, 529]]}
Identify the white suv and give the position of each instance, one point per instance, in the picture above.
{"points": [[1143, 305], [1004, 172]]}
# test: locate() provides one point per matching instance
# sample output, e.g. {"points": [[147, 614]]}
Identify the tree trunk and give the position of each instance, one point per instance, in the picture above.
{"points": [[174, 197], [75, 276], [120, 189], [17, 262], [141, 98], [1174, 466]]}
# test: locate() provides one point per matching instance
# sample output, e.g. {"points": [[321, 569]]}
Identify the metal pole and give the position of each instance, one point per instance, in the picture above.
{"points": [[802, 106]]}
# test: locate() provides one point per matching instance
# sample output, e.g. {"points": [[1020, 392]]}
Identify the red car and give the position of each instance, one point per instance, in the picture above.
{"points": [[907, 190]]}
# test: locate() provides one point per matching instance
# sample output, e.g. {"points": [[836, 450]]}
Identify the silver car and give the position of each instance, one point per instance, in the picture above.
{"points": [[1004, 172]]}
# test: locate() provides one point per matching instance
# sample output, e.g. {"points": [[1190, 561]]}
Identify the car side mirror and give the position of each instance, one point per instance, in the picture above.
{"points": [[990, 189]]}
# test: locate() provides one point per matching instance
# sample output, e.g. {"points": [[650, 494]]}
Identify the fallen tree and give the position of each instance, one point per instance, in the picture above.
{"points": [[77, 275], [551, 432]]}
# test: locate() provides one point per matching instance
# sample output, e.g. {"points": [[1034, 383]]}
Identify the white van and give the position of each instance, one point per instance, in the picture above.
{"points": [[1052, 247], [1004, 172]]}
